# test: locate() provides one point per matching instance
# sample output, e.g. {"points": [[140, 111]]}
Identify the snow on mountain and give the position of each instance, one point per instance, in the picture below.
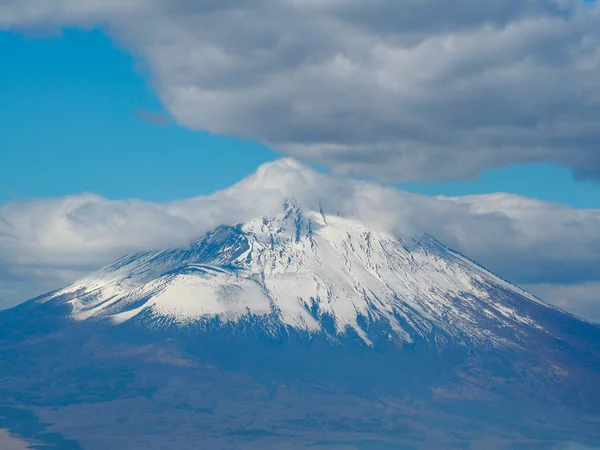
{"points": [[317, 302], [303, 269]]}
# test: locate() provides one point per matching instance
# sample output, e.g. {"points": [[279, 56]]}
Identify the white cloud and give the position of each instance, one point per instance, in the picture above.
{"points": [[581, 299], [48, 242], [397, 90]]}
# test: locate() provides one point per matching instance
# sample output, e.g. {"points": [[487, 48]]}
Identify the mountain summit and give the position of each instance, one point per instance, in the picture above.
{"points": [[312, 273], [299, 328]]}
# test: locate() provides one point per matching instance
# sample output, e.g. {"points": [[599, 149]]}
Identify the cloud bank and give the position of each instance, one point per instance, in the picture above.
{"points": [[552, 249], [396, 90]]}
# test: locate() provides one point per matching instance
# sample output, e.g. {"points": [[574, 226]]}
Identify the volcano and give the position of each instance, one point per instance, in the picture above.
{"points": [[299, 328]]}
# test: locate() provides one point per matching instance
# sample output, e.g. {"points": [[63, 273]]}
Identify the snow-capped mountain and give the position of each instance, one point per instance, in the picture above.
{"points": [[312, 273], [290, 323]]}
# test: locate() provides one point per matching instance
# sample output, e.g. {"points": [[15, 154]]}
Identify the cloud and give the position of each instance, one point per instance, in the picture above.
{"points": [[411, 90], [581, 299], [552, 242], [45, 243]]}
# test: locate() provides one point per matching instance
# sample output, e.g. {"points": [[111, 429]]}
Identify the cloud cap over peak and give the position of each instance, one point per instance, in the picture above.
{"points": [[44, 243], [406, 91]]}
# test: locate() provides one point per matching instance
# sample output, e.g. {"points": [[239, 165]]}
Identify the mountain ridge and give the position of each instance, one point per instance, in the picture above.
{"points": [[299, 328], [270, 261]]}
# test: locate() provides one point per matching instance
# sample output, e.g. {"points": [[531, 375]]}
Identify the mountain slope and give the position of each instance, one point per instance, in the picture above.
{"points": [[299, 329], [298, 268]]}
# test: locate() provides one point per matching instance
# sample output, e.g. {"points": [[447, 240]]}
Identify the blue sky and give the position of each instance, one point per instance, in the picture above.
{"points": [[69, 108], [71, 104]]}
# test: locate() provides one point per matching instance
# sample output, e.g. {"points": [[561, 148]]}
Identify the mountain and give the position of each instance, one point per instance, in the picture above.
{"points": [[299, 328], [312, 274]]}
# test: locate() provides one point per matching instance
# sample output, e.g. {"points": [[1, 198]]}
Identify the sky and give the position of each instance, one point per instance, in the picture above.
{"points": [[92, 117], [112, 103], [78, 117]]}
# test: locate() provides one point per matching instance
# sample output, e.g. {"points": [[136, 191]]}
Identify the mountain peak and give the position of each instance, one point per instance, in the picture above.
{"points": [[305, 271], [299, 307]]}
